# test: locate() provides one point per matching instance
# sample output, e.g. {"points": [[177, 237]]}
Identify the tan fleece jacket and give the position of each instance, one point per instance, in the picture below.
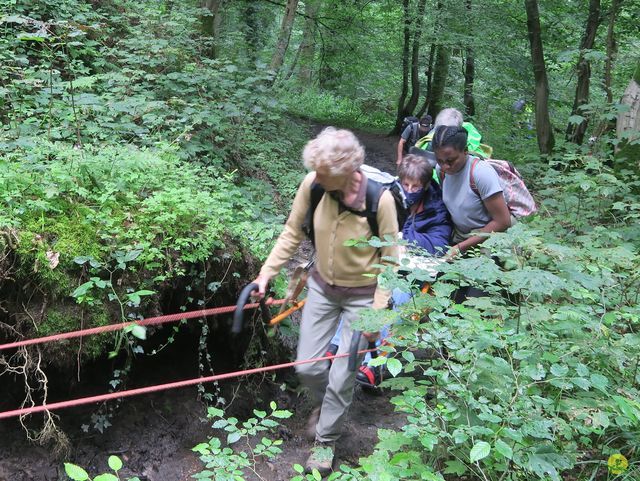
{"points": [[336, 263]]}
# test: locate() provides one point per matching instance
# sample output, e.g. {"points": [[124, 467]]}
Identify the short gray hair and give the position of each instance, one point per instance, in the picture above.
{"points": [[337, 150], [415, 167], [450, 117]]}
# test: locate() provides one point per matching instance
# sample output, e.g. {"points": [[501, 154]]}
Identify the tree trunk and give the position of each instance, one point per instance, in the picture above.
{"points": [[415, 61], [469, 74], [211, 24], [308, 46], [611, 48], [441, 73], [628, 124], [428, 73], [251, 30], [284, 35], [575, 132], [544, 129], [405, 68]]}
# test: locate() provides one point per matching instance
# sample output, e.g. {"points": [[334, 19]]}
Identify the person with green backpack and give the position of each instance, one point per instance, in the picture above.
{"points": [[453, 117]]}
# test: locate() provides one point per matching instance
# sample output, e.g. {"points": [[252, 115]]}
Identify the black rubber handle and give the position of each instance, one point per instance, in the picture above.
{"points": [[354, 348], [238, 315]]}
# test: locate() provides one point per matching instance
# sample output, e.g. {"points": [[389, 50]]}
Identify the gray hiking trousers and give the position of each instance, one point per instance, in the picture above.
{"points": [[330, 388]]}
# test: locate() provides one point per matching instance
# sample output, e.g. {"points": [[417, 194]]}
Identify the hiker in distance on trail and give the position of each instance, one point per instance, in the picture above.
{"points": [[343, 280], [412, 130]]}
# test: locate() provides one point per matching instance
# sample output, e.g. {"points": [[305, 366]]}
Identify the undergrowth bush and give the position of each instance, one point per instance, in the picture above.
{"points": [[540, 378], [75, 211], [328, 108]]}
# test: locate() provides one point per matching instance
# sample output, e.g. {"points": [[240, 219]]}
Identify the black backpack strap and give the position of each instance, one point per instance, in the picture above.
{"points": [[374, 192], [317, 191]]}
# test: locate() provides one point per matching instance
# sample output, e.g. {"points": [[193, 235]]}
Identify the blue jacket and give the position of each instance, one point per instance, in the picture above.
{"points": [[430, 229]]}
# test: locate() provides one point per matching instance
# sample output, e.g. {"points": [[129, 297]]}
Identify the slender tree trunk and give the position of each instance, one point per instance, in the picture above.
{"points": [[469, 74], [469, 77], [415, 61], [628, 124], [308, 46], [544, 129], [440, 75], [428, 73], [405, 67], [575, 132], [611, 48], [251, 30], [211, 23], [283, 37]]}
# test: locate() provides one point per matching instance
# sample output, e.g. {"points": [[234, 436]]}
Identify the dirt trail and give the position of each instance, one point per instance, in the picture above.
{"points": [[154, 434]]}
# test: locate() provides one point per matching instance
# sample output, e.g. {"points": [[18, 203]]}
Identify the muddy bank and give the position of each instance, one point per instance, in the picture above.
{"points": [[154, 434]]}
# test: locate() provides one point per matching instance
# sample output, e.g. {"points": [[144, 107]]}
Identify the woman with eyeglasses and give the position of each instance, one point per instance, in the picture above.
{"points": [[428, 224], [471, 190]]}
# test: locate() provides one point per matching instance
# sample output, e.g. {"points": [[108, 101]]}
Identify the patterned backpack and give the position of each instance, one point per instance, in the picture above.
{"points": [[518, 198]]}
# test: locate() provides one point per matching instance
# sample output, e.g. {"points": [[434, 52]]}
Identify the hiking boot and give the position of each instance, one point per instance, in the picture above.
{"points": [[321, 458], [369, 377], [312, 422], [331, 351]]}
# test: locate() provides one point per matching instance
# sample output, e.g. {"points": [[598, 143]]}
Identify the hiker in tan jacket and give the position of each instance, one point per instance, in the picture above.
{"points": [[338, 285]]}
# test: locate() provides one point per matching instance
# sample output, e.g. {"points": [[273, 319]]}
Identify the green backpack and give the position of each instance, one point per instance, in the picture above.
{"points": [[474, 142]]}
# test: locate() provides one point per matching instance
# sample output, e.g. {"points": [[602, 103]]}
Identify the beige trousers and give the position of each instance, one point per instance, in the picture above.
{"points": [[330, 388]]}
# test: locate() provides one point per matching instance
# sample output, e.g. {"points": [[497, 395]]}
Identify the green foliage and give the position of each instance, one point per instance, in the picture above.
{"points": [[221, 461], [76, 473], [538, 380], [329, 108]]}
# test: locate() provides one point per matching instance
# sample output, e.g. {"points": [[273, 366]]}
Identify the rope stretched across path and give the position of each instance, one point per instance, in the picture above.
{"points": [[144, 322], [162, 387]]}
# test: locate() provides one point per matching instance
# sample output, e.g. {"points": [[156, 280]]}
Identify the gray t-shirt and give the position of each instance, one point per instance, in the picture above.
{"points": [[466, 208]]}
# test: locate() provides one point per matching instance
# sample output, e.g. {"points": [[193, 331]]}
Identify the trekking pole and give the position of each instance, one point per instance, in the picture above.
{"points": [[353, 350], [238, 315]]}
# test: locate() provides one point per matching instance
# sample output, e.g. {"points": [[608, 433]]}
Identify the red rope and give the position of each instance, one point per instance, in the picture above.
{"points": [[162, 387], [144, 322]]}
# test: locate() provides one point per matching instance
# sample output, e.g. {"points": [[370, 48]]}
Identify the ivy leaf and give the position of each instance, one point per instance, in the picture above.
{"points": [[115, 463], [394, 366], [504, 449], [75, 472], [139, 331], [479, 451]]}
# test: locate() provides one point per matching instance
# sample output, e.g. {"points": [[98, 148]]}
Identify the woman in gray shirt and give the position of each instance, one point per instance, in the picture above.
{"points": [[476, 204]]}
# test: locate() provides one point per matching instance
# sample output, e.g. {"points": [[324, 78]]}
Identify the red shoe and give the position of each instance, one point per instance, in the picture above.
{"points": [[331, 351], [369, 377]]}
